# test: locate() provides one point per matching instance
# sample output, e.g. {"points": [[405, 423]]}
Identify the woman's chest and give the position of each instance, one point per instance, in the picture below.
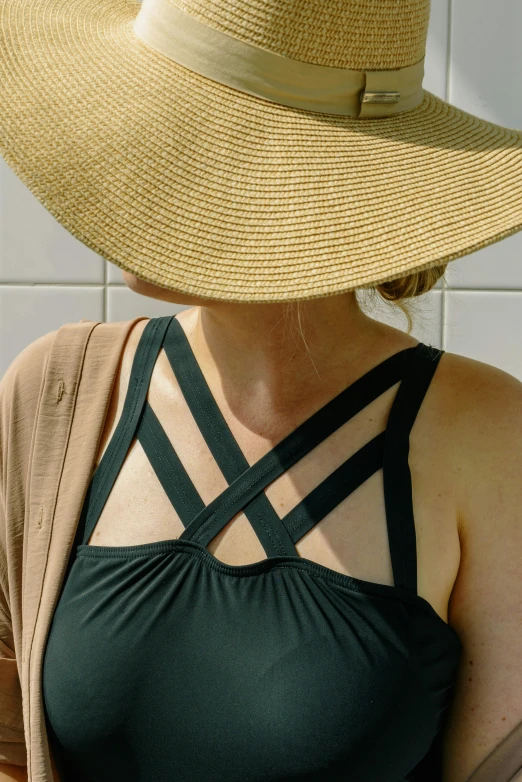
{"points": [[271, 676], [351, 538]]}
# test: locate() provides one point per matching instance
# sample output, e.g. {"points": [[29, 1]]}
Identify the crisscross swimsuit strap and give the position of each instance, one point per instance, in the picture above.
{"points": [[413, 367]]}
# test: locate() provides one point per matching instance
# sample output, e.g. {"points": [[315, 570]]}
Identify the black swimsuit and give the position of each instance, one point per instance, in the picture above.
{"points": [[164, 664]]}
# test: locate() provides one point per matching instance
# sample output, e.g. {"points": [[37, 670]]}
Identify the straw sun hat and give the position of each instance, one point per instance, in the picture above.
{"points": [[250, 150]]}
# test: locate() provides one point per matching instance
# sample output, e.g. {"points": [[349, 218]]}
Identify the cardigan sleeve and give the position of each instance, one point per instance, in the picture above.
{"points": [[19, 394], [12, 743]]}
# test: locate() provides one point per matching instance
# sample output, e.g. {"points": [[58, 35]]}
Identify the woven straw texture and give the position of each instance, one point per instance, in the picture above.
{"points": [[354, 34], [197, 187]]}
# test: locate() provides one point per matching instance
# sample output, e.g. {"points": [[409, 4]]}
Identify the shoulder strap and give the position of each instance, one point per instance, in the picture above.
{"points": [[104, 477], [396, 471]]}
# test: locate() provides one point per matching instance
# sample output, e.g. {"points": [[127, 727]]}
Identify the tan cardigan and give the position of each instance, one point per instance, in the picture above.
{"points": [[53, 401], [54, 398]]}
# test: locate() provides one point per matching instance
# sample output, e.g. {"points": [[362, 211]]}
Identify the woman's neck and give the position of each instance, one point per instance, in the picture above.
{"points": [[255, 355]]}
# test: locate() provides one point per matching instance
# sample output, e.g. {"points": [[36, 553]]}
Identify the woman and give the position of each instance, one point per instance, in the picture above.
{"points": [[298, 547]]}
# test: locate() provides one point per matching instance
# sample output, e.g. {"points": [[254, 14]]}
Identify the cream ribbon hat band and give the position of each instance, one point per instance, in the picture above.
{"points": [[250, 150], [265, 74]]}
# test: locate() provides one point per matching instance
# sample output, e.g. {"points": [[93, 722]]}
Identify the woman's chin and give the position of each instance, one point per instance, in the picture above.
{"points": [[155, 291]]}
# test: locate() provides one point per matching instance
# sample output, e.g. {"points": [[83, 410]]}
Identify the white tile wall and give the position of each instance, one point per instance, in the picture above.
{"points": [[28, 311], [473, 59], [486, 325]]}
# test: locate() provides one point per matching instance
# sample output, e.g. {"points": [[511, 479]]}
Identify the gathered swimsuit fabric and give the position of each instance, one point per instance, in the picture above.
{"points": [[164, 664]]}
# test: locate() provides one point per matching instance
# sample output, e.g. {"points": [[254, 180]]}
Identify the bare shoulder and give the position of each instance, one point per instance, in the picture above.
{"points": [[474, 381], [135, 334], [127, 356], [484, 406]]}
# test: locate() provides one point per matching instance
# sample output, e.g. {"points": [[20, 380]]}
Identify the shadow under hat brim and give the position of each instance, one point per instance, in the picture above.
{"points": [[197, 187]]}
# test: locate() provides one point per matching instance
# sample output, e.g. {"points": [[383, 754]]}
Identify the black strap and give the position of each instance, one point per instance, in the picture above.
{"points": [[396, 471], [246, 484], [414, 367], [265, 522], [168, 467], [103, 480], [319, 502]]}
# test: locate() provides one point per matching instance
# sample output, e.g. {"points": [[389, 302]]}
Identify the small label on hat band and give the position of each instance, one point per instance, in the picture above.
{"points": [[264, 74]]}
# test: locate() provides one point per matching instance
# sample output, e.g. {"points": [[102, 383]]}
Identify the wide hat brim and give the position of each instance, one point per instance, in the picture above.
{"points": [[201, 188]]}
